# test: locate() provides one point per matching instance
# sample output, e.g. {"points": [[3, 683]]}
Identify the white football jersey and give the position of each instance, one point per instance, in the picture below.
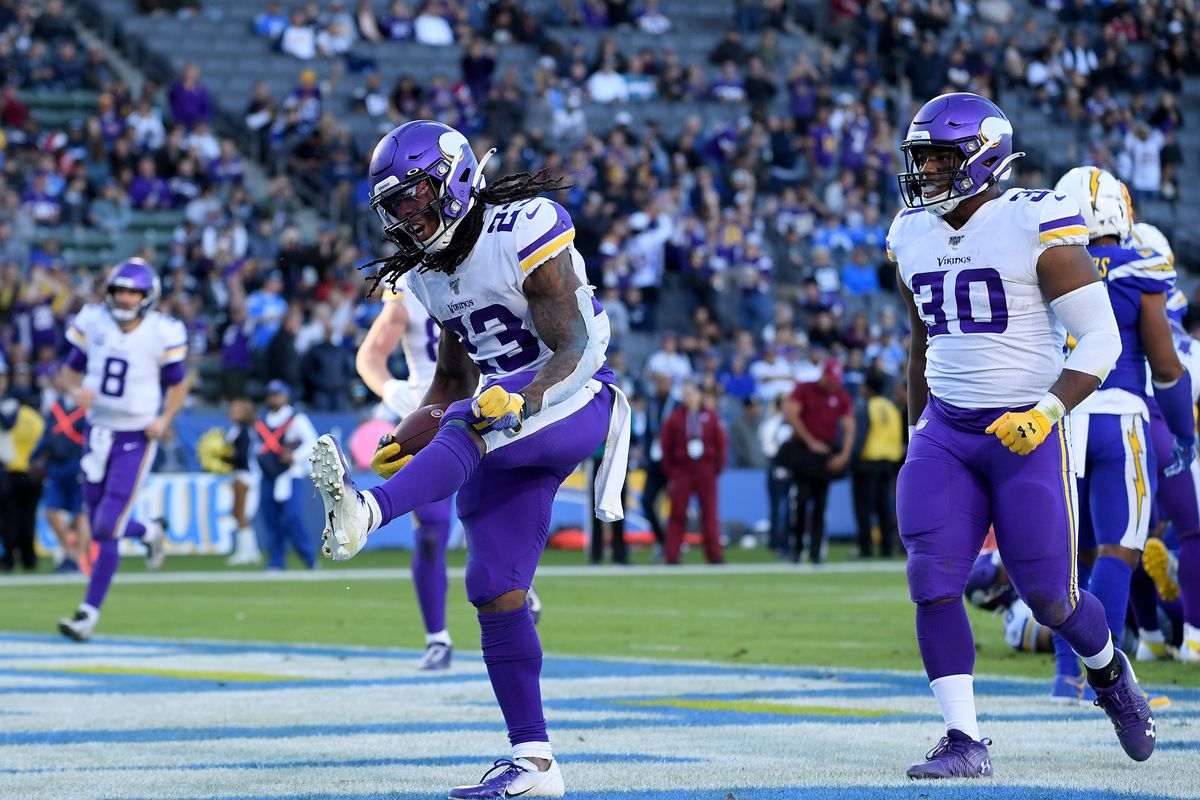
{"points": [[483, 303], [124, 369], [993, 340], [420, 340]]}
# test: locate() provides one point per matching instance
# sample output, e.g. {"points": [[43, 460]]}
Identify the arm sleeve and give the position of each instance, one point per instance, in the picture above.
{"points": [[1059, 222], [175, 343], [171, 374], [1087, 315], [76, 359], [1175, 401], [542, 229]]}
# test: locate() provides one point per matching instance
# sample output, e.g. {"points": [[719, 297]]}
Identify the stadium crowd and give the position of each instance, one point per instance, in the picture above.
{"points": [[739, 256]]}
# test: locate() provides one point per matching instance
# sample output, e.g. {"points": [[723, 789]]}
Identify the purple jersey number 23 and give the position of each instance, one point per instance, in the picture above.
{"points": [[933, 309]]}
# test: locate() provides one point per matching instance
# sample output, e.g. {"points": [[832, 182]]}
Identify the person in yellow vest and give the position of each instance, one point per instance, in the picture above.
{"points": [[876, 467], [20, 429]]}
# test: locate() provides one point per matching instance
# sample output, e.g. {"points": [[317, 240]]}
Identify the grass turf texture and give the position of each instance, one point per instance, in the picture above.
{"points": [[862, 620], [859, 620]]}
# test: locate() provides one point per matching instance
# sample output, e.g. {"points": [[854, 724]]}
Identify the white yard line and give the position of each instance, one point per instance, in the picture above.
{"points": [[403, 574]]}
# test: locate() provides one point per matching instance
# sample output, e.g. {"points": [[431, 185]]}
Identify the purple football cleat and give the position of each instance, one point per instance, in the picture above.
{"points": [[519, 778], [955, 756], [1127, 707]]}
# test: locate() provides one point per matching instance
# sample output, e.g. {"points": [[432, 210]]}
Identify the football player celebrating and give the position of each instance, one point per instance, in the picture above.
{"points": [[992, 278], [122, 353], [495, 267], [1110, 428]]}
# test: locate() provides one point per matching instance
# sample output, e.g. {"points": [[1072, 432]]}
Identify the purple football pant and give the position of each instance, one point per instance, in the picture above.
{"points": [[1178, 499], [110, 505], [504, 502], [431, 531], [957, 480]]}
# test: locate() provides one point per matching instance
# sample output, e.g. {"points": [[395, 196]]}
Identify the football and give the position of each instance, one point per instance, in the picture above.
{"points": [[418, 428]]}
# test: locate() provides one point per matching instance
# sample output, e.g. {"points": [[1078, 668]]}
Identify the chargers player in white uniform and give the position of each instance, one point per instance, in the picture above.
{"points": [[1110, 429], [496, 268], [992, 278], [405, 322], [122, 353]]}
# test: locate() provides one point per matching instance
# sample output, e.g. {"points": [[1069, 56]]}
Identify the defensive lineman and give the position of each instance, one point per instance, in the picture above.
{"points": [[496, 268], [992, 278], [122, 353]]}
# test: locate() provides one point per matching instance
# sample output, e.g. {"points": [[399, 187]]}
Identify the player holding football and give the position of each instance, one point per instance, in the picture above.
{"points": [[495, 267], [122, 353], [992, 278], [1110, 428]]}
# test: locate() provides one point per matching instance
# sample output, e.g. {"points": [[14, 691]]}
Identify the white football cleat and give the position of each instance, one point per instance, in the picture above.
{"points": [[80, 626], [1189, 651], [348, 517], [519, 778], [1152, 651]]}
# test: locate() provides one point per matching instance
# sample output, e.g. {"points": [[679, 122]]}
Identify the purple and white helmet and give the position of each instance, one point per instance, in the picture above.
{"points": [[418, 167], [972, 125], [136, 275]]}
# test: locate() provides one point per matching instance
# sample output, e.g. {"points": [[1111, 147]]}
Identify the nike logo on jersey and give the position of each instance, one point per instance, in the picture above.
{"points": [[532, 214]]}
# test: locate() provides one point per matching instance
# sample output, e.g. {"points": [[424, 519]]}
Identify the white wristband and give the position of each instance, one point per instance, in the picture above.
{"points": [[1051, 407]]}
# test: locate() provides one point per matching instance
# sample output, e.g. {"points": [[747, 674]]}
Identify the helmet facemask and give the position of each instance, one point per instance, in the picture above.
{"points": [[938, 190], [119, 312]]}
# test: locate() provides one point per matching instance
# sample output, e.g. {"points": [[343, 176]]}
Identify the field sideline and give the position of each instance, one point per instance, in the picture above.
{"points": [[756, 680]]}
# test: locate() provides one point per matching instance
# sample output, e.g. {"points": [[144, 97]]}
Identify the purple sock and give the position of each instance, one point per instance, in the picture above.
{"points": [[1086, 630], [134, 529], [513, 656], [1143, 599], [1189, 578], [429, 573], [435, 473], [103, 569], [1110, 585], [944, 636], [1065, 660]]}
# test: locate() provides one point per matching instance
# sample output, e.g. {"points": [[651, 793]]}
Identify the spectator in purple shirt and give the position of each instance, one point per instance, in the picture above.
{"points": [[190, 101], [37, 201], [235, 351], [856, 139], [112, 124], [229, 167], [728, 88], [147, 189]]}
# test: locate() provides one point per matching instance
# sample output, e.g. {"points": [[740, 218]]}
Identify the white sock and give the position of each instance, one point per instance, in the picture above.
{"points": [[90, 610], [956, 698], [1101, 659], [441, 637], [373, 506], [1191, 633], [1151, 636], [153, 531], [532, 750]]}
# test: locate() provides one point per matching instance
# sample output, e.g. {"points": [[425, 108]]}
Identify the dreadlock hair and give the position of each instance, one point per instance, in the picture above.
{"points": [[509, 189]]}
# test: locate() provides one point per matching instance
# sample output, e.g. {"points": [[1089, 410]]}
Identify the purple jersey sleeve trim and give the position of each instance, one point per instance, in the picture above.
{"points": [[562, 223], [1062, 222], [77, 359], [171, 374]]}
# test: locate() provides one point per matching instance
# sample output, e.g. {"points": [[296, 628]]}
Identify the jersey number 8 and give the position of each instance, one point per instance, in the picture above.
{"points": [[933, 308]]}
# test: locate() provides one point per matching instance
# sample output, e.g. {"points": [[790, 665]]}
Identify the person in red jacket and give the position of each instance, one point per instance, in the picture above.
{"points": [[694, 448]]}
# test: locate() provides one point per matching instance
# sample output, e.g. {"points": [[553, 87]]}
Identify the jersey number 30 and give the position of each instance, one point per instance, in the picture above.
{"points": [[984, 281]]}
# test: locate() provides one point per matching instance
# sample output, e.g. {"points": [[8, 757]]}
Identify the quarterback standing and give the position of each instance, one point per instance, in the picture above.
{"points": [[122, 353], [993, 278]]}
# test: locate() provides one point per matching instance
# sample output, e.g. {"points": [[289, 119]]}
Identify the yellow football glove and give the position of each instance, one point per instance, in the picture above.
{"points": [[1021, 431], [385, 463], [499, 409]]}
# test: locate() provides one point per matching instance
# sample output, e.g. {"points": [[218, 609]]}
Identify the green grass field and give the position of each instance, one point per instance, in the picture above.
{"points": [[801, 618]]}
